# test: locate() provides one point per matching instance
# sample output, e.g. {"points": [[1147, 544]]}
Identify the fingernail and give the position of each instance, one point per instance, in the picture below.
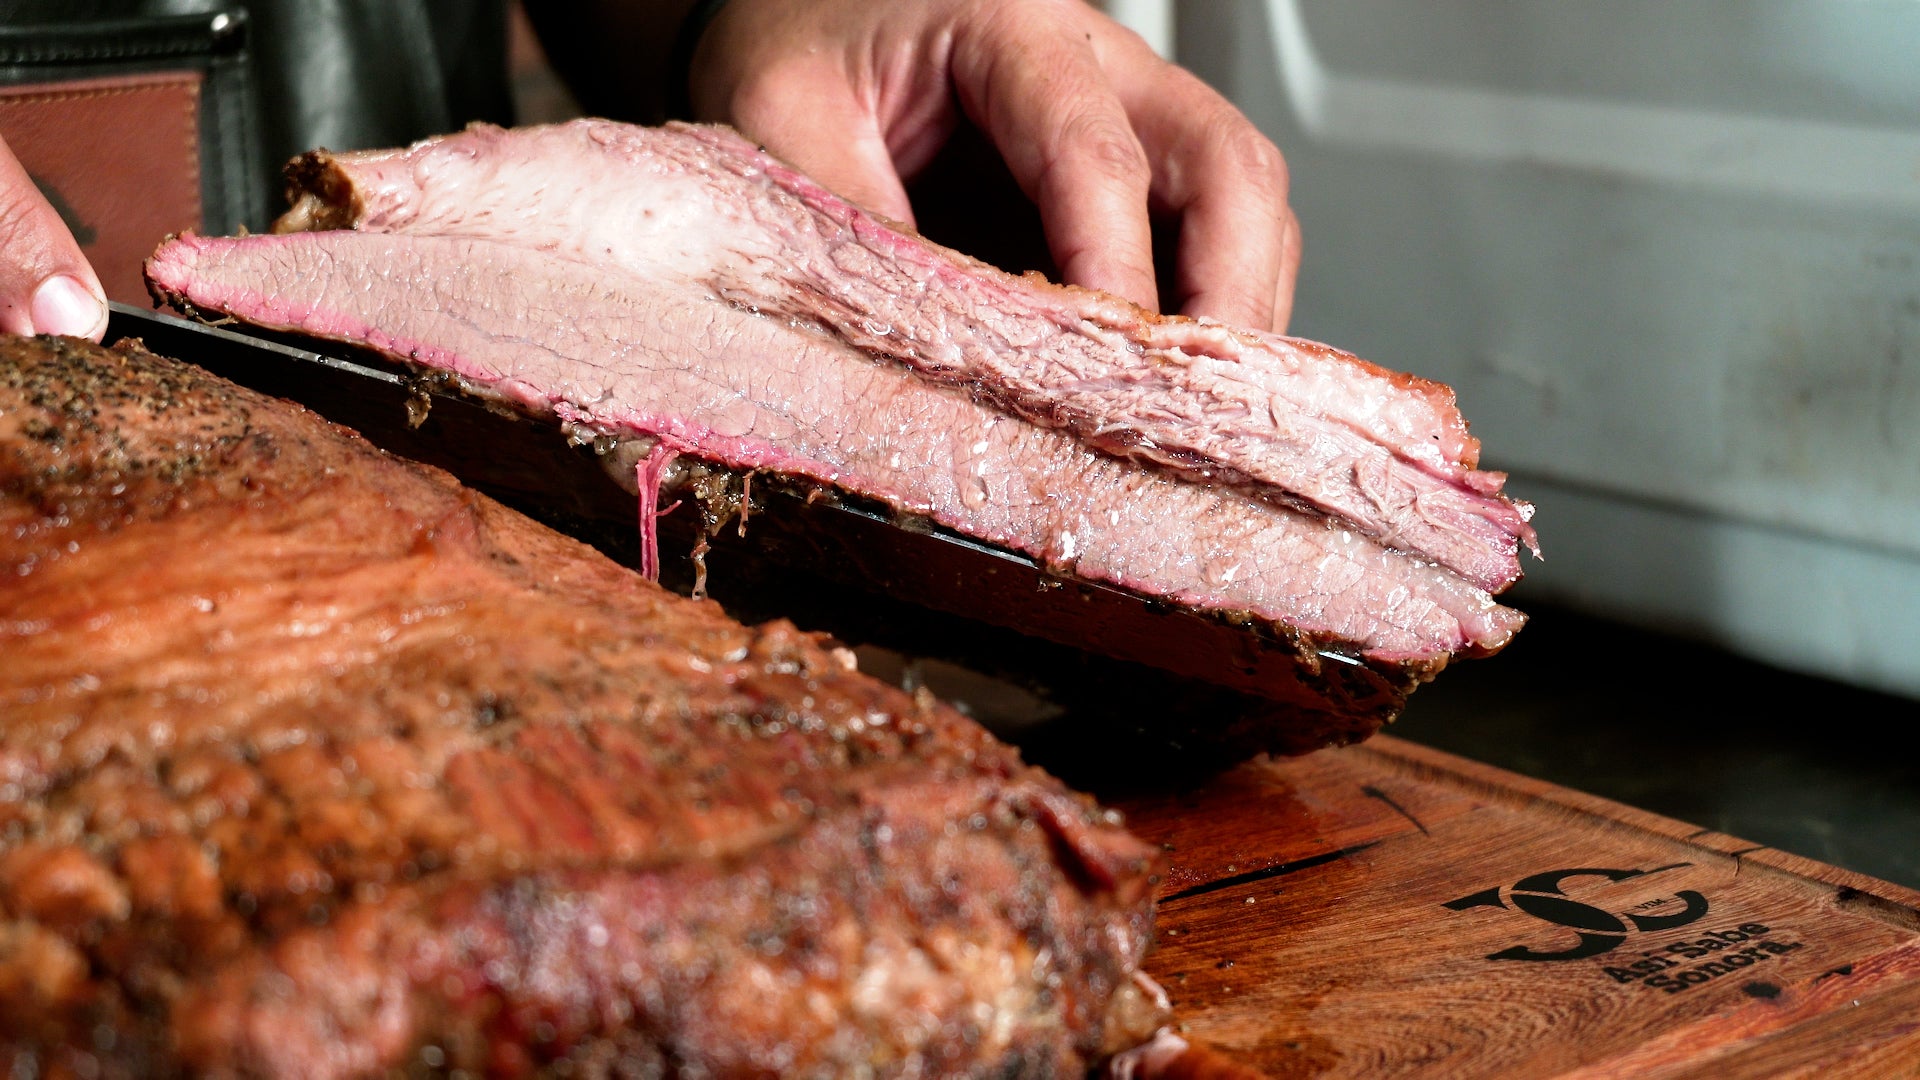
{"points": [[62, 305]]}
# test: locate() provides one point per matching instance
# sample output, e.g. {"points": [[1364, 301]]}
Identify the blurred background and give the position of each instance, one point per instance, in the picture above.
{"points": [[1668, 255]]}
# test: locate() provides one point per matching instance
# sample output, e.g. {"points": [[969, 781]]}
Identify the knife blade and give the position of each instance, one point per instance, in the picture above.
{"points": [[862, 573]]}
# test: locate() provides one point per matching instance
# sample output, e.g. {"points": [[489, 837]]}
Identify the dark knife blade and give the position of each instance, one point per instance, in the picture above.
{"points": [[861, 573]]}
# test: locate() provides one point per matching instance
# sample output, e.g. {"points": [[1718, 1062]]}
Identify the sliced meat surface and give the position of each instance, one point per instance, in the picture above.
{"points": [[314, 763], [1384, 453], [608, 349]]}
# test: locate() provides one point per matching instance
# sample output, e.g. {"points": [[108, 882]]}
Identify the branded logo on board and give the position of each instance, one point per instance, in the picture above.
{"points": [[1672, 965], [1544, 897]]}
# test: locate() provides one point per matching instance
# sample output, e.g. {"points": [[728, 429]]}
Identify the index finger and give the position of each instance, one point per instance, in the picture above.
{"points": [[1239, 246], [1035, 87]]}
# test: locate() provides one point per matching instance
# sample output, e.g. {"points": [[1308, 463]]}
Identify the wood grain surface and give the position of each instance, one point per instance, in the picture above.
{"points": [[1385, 910]]}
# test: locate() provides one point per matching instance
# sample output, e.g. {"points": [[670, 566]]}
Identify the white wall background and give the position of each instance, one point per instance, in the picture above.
{"points": [[1669, 256]]}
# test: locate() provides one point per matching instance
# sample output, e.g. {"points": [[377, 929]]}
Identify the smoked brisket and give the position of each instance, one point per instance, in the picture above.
{"points": [[314, 763], [678, 285]]}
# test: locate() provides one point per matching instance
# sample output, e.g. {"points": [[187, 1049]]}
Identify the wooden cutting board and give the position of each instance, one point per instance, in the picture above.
{"points": [[1386, 910]]}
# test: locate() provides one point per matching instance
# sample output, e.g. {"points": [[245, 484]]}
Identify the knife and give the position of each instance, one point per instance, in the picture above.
{"points": [[904, 589]]}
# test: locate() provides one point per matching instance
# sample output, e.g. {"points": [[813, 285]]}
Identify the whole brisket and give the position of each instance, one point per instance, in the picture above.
{"points": [[313, 763], [676, 283]]}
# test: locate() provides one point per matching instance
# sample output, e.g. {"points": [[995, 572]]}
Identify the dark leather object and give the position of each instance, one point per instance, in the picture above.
{"points": [[212, 43], [148, 123], [134, 128], [279, 77], [354, 74]]}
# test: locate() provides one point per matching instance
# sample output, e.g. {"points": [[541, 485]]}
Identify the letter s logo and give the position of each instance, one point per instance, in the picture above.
{"points": [[1598, 931]]}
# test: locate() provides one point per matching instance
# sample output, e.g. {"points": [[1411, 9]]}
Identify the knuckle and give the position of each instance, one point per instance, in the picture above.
{"points": [[1110, 146], [1251, 154], [20, 213]]}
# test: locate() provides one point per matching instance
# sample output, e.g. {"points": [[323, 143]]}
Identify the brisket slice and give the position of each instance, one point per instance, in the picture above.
{"points": [[1386, 453], [674, 283], [603, 348], [313, 763]]}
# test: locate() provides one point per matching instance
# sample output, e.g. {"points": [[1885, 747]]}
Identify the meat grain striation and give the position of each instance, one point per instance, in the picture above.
{"points": [[678, 283], [314, 763]]}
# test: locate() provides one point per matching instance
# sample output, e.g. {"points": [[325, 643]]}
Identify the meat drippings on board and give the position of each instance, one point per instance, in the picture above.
{"points": [[314, 763]]}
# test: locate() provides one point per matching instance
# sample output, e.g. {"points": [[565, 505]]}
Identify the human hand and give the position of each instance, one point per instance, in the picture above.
{"points": [[46, 286], [1097, 129]]}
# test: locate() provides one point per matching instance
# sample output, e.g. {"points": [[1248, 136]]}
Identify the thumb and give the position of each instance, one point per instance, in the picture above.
{"points": [[46, 286]]}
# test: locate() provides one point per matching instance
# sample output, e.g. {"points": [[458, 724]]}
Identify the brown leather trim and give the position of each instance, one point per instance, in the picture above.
{"points": [[119, 158]]}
